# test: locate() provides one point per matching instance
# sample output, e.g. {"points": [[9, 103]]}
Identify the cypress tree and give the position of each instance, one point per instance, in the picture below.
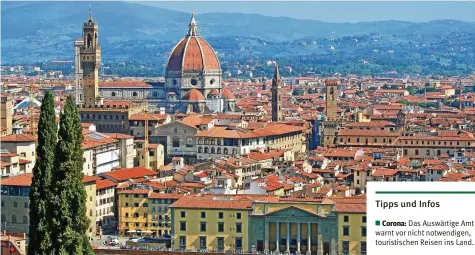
{"points": [[70, 221], [40, 191]]}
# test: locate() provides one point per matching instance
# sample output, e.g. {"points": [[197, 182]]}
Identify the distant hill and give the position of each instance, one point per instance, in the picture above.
{"points": [[39, 31]]}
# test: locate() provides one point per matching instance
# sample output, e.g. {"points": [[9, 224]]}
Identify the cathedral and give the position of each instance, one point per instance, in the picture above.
{"points": [[193, 79]]}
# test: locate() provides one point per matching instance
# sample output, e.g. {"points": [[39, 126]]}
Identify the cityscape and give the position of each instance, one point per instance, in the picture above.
{"points": [[261, 147]]}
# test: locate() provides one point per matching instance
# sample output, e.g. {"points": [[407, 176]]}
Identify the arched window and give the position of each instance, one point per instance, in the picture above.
{"points": [[189, 141], [200, 150], [219, 150], [234, 151], [225, 151], [213, 150], [206, 141], [200, 141], [212, 141], [89, 40], [219, 141], [206, 150], [176, 141]]}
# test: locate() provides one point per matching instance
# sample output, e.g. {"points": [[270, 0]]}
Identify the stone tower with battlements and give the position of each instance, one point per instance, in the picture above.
{"points": [[276, 95], [90, 58], [333, 122], [331, 98]]}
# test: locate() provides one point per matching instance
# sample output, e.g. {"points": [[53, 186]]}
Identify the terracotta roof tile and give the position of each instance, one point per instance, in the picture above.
{"points": [[19, 180], [125, 174]]}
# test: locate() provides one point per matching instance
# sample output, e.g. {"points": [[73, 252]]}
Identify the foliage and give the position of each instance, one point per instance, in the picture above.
{"points": [[40, 192], [412, 90], [70, 222], [298, 92], [423, 105]]}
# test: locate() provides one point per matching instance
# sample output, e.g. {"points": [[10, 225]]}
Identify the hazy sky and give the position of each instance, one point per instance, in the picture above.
{"points": [[336, 11]]}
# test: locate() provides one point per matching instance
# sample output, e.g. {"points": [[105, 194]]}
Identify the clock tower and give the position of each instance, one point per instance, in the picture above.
{"points": [[90, 55]]}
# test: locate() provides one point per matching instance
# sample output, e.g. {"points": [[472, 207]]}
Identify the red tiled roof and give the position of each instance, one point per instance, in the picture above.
{"points": [[352, 132], [164, 195], [18, 138], [129, 173], [19, 180], [209, 202], [104, 183]]}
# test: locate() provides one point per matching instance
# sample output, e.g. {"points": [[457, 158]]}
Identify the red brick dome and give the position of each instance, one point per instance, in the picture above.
{"points": [[193, 53], [214, 92], [194, 95]]}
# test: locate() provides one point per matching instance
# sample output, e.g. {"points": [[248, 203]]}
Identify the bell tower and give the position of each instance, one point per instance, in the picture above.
{"points": [[333, 122], [90, 55], [331, 98], [276, 95]]}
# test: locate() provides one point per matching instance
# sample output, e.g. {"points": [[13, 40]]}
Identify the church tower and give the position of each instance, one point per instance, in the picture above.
{"points": [[276, 95], [333, 122], [331, 98], [90, 54]]}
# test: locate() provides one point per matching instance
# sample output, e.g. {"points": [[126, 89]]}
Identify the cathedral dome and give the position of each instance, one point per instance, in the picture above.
{"points": [[194, 95], [228, 94], [214, 92], [193, 53]]}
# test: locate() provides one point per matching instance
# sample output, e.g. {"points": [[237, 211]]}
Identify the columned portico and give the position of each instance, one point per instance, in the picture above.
{"points": [[293, 230]]}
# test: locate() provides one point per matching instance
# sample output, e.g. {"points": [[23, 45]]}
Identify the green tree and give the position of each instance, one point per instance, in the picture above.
{"points": [[70, 222], [412, 90], [40, 192]]}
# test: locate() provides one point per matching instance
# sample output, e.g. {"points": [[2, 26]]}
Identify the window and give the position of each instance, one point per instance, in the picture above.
{"points": [[203, 214], [220, 226], [203, 242], [221, 243], [238, 227], [203, 226], [364, 219], [363, 231], [218, 151], [182, 226], [183, 214], [206, 150], [13, 218], [346, 218], [176, 141], [182, 242], [238, 215], [200, 141], [126, 215], [15, 204], [363, 248], [220, 215], [189, 142], [346, 247], [225, 151], [194, 82], [25, 220], [238, 243], [200, 150], [346, 231], [145, 204], [4, 218]]}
